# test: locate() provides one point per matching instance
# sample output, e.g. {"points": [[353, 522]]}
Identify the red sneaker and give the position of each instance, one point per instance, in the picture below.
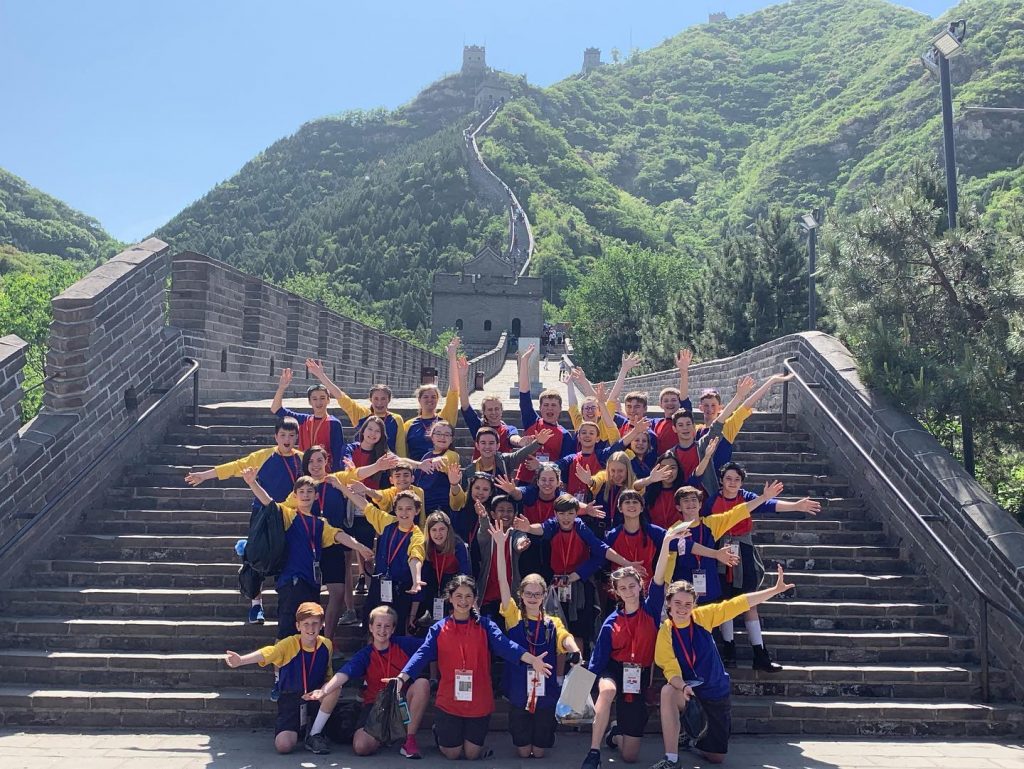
{"points": [[410, 749]]}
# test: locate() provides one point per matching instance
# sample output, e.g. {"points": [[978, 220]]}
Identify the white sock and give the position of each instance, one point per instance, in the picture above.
{"points": [[320, 722], [257, 601], [727, 632], [673, 757], [754, 631]]}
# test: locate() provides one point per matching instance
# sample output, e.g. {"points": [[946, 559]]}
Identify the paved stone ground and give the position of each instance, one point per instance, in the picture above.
{"points": [[253, 750]]}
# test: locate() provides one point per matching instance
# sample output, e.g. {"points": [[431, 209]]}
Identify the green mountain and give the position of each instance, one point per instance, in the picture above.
{"points": [[36, 229], [804, 103]]}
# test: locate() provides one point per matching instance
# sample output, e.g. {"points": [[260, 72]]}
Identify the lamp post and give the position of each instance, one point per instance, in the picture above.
{"points": [[809, 223], [946, 45]]}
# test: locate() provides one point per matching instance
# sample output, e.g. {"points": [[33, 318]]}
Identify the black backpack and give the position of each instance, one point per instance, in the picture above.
{"points": [[265, 550]]}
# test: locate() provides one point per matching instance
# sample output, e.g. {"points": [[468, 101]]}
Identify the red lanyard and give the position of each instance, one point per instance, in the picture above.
{"points": [[310, 534], [292, 473], [632, 631], [700, 541], [462, 643], [315, 424], [534, 643], [323, 497], [393, 552], [312, 662], [690, 655], [385, 659], [440, 561], [568, 540]]}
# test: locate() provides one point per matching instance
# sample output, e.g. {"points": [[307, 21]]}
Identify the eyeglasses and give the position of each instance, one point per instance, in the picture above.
{"points": [[442, 435], [531, 594]]}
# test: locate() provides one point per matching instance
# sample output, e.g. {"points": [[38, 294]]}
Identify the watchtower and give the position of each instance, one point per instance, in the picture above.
{"points": [[591, 59], [474, 60]]}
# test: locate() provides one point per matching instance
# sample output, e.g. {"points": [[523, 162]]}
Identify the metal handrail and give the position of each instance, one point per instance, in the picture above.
{"points": [[101, 455], [986, 601]]}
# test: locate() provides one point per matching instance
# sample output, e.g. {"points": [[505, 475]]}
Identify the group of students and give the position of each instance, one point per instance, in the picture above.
{"points": [[620, 543]]}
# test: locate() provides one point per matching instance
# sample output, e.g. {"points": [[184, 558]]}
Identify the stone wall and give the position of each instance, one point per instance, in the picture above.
{"points": [[111, 354], [965, 516], [244, 331], [488, 363]]}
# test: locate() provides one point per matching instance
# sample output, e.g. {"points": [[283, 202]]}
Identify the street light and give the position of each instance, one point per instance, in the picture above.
{"points": [[809, 223], [945, 45]]}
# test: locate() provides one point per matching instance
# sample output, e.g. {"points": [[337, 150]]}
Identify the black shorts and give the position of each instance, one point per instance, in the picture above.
{"points": [[583, 625], [364, 714], [631, 711], [537, 728], [451, 731], [334, 564], [289, 596], [289, 709], [719, 715], [750, 580], [362, 531]]}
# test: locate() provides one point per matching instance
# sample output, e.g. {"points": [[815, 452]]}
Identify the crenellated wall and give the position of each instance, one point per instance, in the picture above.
{"points": [[244, 331], [120, 338], [966, 517], [110, 355]]}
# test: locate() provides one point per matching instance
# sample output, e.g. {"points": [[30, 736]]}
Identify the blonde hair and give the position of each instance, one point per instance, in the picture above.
{"points": [[622, 458], [383, 611], [489, 397], [550, 394]]}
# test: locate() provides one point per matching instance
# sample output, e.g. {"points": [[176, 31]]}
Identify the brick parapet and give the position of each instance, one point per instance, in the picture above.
{"points": [[244, 331], [967, 519]]}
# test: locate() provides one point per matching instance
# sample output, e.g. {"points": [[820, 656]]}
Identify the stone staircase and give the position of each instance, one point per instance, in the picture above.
{"points": [[126, 624]]}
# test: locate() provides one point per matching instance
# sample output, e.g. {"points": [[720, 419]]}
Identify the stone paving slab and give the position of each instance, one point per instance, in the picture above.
{"points": [[243, 749]]}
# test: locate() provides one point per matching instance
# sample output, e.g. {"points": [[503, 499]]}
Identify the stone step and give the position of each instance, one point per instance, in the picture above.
{"points": [[200, 522], [133, 670], [210, 634], [178, 603], [216, 549], [247, 708], [259, 416]]}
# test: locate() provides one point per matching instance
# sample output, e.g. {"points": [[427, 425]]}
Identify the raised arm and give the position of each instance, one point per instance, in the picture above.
{"points": [[282, 385], [462, 366], [683, 359], [316, 368], [524, 368], [249, 476], [498, 537], [761, 391], [743, 388], [629, 362]]}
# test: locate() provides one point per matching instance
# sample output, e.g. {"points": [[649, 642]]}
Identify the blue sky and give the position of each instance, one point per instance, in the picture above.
{"points": [[131, 110]]}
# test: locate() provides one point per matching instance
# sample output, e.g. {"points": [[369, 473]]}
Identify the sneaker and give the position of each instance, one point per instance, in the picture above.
{"points": [[666, 764], [275, 692], [349, 618], [609, 736], [763, 660], [685, 742], [410, 749], [318, 743], [361, 585], [592, 761], [256, 614], [729, 654]]}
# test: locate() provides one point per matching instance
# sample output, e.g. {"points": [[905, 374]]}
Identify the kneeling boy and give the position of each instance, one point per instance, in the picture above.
{"points": [[304, 660]]}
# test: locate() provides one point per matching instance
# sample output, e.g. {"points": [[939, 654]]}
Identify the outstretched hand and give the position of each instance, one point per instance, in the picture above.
{"points": [[781, 586]]}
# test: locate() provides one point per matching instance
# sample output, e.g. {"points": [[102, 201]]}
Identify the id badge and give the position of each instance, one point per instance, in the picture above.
{"points": [[403, 706], [700, 581], [438, 612], [318, 575], [542, 458], [564, 589], [303, 716], [532, 679], [463, 685], [386, 593], [631, 679]]}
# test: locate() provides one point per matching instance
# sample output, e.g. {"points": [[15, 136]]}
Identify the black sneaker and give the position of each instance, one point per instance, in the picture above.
{"points": [[666, 764], [361, 585], [729, 654], [763, 660], [592, 761], [318, 743], [685, 742], [609, 736]]}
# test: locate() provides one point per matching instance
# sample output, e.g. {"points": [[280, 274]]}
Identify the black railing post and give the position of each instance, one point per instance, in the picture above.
{"points": [[785, 407], [195, 398], [983, 651]]}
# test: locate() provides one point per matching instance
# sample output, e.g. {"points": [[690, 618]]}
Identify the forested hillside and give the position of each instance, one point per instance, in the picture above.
{"points": [[359, 209], [45, 246]]}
